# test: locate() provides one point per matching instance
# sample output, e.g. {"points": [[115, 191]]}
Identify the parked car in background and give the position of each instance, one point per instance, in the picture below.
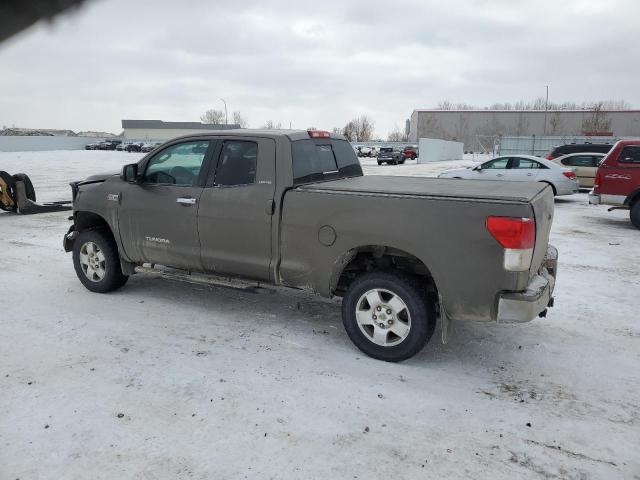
{"points": [[617, 180], [521, 168], [584, 165], [410, 151], [365, 152], [92, 146], [147, 147], [109, 144], [579, 148], [390, 156], [121, 146], [134, 147]]}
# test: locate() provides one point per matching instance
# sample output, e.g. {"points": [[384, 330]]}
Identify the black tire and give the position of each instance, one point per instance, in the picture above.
{"points": [[8, 181], [634, 214], [28, 186], [412, 293], [113, 277], [401, 162]]}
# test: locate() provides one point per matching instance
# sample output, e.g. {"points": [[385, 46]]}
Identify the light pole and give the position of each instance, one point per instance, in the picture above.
{"points": [[226, 118], [546, 106]]}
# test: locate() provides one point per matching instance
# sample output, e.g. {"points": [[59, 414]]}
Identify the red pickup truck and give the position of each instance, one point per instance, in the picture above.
{"points": [[617, 181]]}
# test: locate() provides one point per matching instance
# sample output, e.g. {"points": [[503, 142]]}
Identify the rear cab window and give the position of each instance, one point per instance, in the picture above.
{"points": [[322, 160]]}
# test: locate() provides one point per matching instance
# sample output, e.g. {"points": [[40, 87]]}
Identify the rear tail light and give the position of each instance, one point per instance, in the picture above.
{"points": [[569, 175], [550, 156], [597, 180], [318, 134], [517, 236]]}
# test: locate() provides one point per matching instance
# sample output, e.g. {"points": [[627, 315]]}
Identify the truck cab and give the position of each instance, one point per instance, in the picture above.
{"points": [[617, 181]]}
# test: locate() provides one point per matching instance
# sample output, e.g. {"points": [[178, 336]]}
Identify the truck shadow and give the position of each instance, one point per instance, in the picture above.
{"points": [[277, 315]]}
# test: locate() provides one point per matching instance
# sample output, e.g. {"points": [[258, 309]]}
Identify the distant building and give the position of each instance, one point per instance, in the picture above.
{"points": [[157, 130], [467, 125]]}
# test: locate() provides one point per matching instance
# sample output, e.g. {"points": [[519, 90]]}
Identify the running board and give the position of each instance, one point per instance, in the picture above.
{"points": [[199, 278]]}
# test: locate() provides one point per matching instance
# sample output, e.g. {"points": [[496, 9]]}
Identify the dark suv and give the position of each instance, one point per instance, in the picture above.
{"points": [[579, 148], [390, 156]]}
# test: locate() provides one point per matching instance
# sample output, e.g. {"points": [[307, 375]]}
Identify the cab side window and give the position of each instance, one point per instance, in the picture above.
{"points": [[237, 163], [630, 155], [178, 164]]}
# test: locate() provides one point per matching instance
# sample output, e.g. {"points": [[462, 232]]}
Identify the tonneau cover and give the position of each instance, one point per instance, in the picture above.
{"points": [[521, 192]]}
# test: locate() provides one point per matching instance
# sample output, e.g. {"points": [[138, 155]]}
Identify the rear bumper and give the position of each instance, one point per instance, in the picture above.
{"points": [[518, 307], [594, 198], [567, 188]]}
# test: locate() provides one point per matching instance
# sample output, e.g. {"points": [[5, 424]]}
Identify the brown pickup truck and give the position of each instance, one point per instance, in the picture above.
{"points": [[292, 208]]}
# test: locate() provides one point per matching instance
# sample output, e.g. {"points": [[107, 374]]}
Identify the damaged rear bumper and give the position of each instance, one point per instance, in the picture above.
{"points": [[69, 238], [518, 307]]}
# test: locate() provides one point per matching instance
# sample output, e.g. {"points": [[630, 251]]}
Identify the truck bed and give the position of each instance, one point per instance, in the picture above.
{"points": [[517, 192]]}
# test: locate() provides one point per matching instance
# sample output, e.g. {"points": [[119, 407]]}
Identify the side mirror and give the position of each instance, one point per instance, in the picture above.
{"points": [[129, 173], [477, 168]]}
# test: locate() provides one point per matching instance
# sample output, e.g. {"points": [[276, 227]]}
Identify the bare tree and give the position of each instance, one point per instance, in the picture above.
{"points": [[239, 119], [350, 131], [336, 130], [397, 135], [271, 125], [215, 117], [598, 121], [359, 129], [556, 124]]}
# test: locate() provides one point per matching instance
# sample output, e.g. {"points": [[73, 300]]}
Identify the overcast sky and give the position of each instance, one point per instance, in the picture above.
{"points": [[313, 63]]}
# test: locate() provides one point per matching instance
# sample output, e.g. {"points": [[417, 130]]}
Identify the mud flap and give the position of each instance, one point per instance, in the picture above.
{"points": [[446, 324]]}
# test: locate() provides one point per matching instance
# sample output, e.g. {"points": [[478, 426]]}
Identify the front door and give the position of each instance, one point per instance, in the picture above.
{"points": [[495, 169], [158, 213], [236, 209]]}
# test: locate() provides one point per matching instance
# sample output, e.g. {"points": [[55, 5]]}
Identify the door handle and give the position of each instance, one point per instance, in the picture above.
{"points": [[529, 174], [499, 175], [186, 201]]}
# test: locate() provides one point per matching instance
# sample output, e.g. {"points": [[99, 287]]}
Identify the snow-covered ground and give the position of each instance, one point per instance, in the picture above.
{"points": [[166, 380]]}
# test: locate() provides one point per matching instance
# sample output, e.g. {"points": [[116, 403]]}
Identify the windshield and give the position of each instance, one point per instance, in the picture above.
{"points": [[323, 159]]}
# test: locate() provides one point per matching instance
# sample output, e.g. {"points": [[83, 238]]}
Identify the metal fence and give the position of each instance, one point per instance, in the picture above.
{"points": [[541, 145]]}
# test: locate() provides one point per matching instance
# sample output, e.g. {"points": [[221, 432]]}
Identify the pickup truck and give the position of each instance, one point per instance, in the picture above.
{"points": [[617, 181], [293, 209]]}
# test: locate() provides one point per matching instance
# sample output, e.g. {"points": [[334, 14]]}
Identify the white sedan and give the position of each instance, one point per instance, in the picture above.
{"points": [[523, 168]]}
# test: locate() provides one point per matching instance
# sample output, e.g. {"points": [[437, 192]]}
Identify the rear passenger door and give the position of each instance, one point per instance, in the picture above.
{"points": [[236, 208], [522, 169]]}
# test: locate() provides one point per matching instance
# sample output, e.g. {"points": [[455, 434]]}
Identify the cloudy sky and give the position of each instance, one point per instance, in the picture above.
{"points": [[313, 63]]}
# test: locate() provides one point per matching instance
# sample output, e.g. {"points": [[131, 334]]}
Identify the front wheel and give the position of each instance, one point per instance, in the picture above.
{"points": [[97, 263], [634, 214], [387, 315]]}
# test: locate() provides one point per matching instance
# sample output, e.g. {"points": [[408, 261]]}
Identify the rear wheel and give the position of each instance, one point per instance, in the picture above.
{"points": [[379, 163], [96, 261], [634, 214], [387, 315]]}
